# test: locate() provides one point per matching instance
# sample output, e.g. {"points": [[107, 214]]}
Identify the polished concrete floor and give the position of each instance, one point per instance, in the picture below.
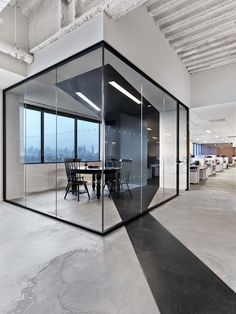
{"points": [[50, 267]]}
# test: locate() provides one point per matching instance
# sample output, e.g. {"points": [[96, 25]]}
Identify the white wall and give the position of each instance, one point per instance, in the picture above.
{"points": [[216, 86], [137, 38]]}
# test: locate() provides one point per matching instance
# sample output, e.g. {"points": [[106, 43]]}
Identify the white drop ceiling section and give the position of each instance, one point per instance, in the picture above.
{"points": [[201, 32], [219, 119]]}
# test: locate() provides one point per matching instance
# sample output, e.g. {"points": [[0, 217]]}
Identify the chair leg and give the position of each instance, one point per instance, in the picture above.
{"points": [[67, 190], [78, 192], [86, 188], [129, 189], [112, 189]]}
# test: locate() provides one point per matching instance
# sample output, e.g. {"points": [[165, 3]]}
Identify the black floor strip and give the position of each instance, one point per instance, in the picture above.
{"points": [[130, 206], [179, 281]]}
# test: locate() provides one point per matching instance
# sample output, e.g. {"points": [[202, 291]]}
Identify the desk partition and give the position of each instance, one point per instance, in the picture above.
{"points": [[118, 125]]}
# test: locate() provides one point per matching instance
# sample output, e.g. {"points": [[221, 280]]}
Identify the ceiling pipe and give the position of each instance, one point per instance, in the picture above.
{"points": [[3, 4], [113, 8], [16, 52]]}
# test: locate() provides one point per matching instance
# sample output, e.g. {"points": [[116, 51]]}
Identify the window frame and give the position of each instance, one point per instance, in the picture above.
{"points": [[62, 114]]}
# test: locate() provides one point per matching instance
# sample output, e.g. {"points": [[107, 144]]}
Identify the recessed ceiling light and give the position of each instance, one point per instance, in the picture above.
{"points": [[149, 129], [125, 92], [204, 141], [222, 139], [208, 131], [88, 101], [216, 136], [149, 106]]}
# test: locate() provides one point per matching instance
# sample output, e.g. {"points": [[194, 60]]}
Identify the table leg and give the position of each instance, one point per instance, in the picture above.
{"points": [[98, 186], [93, 181]]}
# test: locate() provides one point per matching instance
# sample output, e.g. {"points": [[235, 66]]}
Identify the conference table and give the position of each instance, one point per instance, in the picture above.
{"points": [[97, 175]]}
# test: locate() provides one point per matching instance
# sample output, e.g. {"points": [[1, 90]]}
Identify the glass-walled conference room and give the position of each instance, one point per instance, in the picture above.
{"points": [[93, 142]]}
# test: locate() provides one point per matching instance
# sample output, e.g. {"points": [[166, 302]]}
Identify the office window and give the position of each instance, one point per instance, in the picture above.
{"points": [[88, 140], [50, 147], [32, 136], [65, 138]]}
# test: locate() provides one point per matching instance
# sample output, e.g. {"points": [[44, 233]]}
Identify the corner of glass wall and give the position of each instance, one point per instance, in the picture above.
{"points": [[15, 150], [123, 162]]}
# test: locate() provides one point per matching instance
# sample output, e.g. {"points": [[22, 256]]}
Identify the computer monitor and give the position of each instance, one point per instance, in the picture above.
{"points": [[109, 164]]}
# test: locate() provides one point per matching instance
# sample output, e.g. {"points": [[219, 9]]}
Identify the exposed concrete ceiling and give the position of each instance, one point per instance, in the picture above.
{"points": [[45, 27], [202, 32]]}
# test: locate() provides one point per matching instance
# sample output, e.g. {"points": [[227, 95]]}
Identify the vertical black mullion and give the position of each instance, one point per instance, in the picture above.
{"points": [[42, 136], [99, 141], [4, 144], [103, 131], [188, 149], [76, 137], [177, 149]]}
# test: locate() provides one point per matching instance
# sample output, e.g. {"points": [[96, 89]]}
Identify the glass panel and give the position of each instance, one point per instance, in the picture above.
{"points": [[153, 108], [65, 138], [50, 141], [182, 148], [122, 136], [40, 177], [32, 136], [79, 90], [15, 149], [168, 153], [88, 140]]}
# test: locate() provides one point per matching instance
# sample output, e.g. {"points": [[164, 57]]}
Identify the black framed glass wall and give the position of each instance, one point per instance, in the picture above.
{"points": [[116, 129]]}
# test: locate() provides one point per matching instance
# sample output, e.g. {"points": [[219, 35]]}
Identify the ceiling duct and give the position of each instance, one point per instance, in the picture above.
{"points": [[16, 52]]}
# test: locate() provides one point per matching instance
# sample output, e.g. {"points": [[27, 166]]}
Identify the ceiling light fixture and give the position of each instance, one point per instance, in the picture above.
{"points": [[88, 101], [154, 137], [208, 131], [216, 136], [149, 129], [125, 92]]}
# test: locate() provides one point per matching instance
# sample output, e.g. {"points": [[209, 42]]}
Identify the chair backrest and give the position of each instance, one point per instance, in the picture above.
{"points": [[70, 165], [126, 166], [116, 162]]}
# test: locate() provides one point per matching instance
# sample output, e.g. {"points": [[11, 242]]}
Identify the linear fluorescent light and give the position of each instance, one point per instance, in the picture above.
{"points": [[149, 129], [125, 92], [208, 131], [88, 101]]}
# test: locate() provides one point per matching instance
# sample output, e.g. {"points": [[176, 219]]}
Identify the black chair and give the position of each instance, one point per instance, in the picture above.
{"points": [[74, 181], [126, 166], [122, 179]]}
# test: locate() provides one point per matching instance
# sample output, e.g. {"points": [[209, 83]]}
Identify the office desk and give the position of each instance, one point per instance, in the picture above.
{"points": [[97, 175]]}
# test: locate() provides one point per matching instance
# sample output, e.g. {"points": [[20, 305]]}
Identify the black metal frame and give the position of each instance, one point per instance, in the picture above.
{"points": [[103, 45], [62, 114]]}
